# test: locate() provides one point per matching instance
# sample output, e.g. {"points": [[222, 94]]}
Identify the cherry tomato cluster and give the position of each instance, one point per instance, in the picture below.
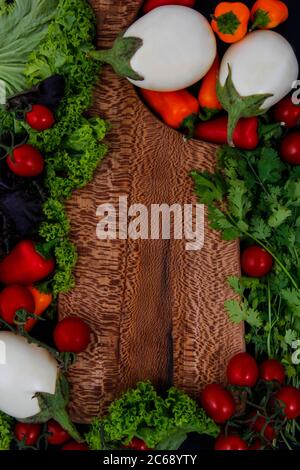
{"points": [[255, 408], [25, 160], [288, 113], [30, 436]]}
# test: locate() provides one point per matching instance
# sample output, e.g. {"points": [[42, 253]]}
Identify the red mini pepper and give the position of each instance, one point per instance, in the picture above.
{"points": [[215, 131], [27, 263], [14, 298], [178, 109], [151, 4]]}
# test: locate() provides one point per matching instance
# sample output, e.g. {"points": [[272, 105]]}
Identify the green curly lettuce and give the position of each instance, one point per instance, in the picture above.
{"points": [[6, 434], [161, 422], [73, 148]]}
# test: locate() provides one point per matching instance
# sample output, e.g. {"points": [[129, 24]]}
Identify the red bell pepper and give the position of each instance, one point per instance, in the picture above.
{"points": [[27, 263], [245, 136], [14, 298], [151, 4], [178, 109]]}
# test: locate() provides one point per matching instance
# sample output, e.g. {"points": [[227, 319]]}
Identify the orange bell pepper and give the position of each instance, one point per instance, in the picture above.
{"points": [[208, 99], [267, 14], [230, 21], [178, 109], [42, 302]]}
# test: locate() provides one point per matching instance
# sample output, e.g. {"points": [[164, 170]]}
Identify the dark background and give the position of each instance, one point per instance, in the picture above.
{"points": [[290, 29]]}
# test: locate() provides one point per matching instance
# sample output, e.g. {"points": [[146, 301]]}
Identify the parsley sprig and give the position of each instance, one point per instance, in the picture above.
{"points": [[255, 196]]}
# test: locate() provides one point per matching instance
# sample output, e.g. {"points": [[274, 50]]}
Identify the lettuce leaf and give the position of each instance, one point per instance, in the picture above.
{"points": [[161, 422], [23, 26]]}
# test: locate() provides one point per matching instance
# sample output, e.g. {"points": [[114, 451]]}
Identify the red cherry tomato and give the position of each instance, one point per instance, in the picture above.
{"points": [[256, 262], [75, 446], [40, 118], [218, 403], [14, 298], [72, 335], [230, 443], [287, 112], [149, 5], [290, 148], [242, 370], [289, 399], [272, 371], [26, 161], [29, 432], [259, 425], [137, 444], [57, 435]]}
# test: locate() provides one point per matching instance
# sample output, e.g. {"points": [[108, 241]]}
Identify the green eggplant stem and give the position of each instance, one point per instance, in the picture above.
{"points": [[120, 55]]}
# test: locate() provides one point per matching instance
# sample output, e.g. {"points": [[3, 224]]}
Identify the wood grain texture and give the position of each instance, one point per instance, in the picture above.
{"points": [[156, 310]]}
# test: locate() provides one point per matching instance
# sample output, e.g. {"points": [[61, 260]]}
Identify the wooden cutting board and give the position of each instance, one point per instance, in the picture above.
{"points": [[156, 310]]}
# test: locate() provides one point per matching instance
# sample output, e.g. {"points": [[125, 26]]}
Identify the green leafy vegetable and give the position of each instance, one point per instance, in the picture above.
{"points": [[23, 26], [260, 203], [6, 434], [162, 423]]}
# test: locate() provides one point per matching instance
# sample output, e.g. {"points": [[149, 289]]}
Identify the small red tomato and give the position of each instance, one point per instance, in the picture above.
{"points": [[272, 371], [256, 262], [29, 433], [230, 443], [57, 435], [149, 5], [137, 444], [290, 148], [73, 445], [218, 403], [40, 118], [259, 425], [72, 335], [242, 370], [289, 399], [14, 298], [26, 161], [287, 112]]}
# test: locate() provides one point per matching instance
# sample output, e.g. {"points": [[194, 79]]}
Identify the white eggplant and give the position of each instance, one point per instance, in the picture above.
{"points": [[31, 387], [169, 49], [255, 74]]}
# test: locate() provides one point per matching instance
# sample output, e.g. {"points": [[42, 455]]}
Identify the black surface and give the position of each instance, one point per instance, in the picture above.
{"points": [[289, 29]]}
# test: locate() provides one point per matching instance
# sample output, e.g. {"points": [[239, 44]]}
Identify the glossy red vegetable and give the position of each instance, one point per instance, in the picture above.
{"points": [[73, 445], [40, 118], [26, 264], [178, 109], [256, 262], [272, 371], [290, 148], [218, 403], [242, 370], [151, 4], [260, 425], [256, 444], [28, 432], [137, 444], [72, 335], [57, 435], [289, 399], [215, 131], [230, 443], [14, 298], [25, 160], [287, 112]]}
